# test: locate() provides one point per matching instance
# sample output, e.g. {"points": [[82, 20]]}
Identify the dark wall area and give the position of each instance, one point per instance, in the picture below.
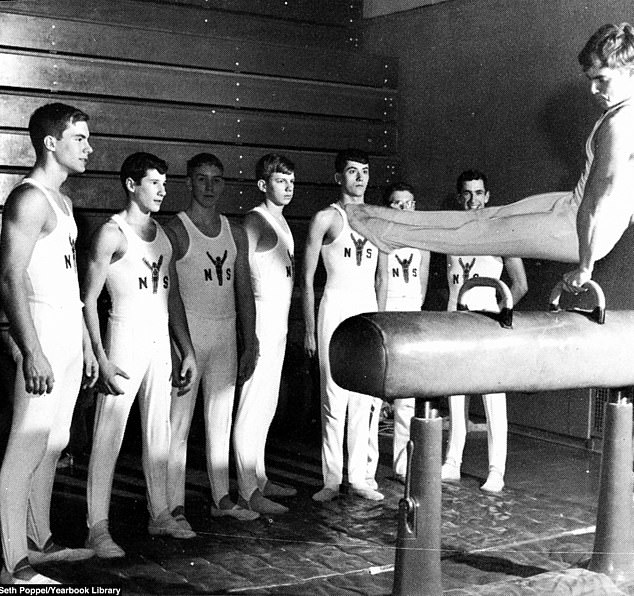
{"points": [[495, 85]]}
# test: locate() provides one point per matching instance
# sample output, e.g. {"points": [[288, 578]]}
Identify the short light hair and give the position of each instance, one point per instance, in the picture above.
{"points": [[273, 163], [611, 46]]}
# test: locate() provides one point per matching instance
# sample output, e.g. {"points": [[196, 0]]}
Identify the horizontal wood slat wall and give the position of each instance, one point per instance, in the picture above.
{"points": [[202, 123], [328, 12], [170, 77], [109, 153], [199, 20], [178, 48], [98, 76]]}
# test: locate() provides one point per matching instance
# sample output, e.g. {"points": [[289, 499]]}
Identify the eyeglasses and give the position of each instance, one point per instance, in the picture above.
{"points": [[403, 204]]}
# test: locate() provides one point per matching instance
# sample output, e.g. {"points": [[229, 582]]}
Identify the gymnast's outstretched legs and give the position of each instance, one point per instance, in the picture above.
{"points": [[540, 227]]}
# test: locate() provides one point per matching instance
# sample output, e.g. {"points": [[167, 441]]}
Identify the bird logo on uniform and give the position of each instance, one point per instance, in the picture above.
{"points": [[155, 268], [358, 245], [405, 263], [466, 269], [218, 263]]}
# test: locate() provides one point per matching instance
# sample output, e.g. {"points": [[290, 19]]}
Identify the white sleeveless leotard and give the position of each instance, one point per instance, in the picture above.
{"points": [[138, 283], [206, 271]]}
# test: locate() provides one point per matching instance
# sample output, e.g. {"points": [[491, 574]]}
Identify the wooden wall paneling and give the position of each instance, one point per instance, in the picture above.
{"points": [[195, 20], [328, 12], [189, 85], [109, 153], [103, 192], [134, 43], [194, 123]]}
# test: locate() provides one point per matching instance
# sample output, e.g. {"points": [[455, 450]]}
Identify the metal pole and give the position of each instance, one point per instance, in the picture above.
{"points": [[613, 545], [417, 566]]}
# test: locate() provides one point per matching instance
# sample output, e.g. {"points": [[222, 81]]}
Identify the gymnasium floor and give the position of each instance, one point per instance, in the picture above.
{"points": [[533, 539]]}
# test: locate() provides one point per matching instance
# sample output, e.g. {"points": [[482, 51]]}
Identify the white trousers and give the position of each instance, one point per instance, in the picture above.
{"points": [[217, 362], [539, 227], [336, 402], [142, 350], [259, 397], [497, 429], [39, 432]]}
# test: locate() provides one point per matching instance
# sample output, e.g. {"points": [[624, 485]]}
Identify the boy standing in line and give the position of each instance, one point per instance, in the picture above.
{"points": [[356, 283], [473, 194], [132, 256], [408, 273], [40, 296], [212, 263], [271, 258]]}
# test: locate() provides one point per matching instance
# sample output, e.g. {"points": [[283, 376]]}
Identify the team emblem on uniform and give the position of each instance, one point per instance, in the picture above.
{"points": [[71, 241], [405, 263], [358, 246], [155, 268], [218, 263], [466, 269]]}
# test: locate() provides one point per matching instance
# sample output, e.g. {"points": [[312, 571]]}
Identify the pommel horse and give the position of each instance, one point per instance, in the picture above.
{"points": [[408, 354]]}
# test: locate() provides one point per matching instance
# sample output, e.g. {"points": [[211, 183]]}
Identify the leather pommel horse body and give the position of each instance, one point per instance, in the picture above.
{"points": [[437, 354]]}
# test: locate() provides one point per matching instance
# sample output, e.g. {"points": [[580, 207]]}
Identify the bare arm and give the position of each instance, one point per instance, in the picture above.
{"points": [[517, 275], [317, 231], [245, 305], [425, 257], [606, 208], [183, 375], [108, 241], [380, 281], [25, 217]]}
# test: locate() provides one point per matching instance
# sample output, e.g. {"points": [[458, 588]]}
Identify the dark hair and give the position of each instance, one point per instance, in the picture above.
{"points": [[612, 46], [350, 154], [52, 119], [204, 159], [471, 175], [273, 163], [396, 187], [135, 166]]}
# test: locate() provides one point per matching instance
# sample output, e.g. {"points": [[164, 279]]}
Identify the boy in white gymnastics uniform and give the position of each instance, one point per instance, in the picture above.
{"points": [[473, 194], [132, 256], [40, 295], [271, 258], [212, 263], [356, 283], [574, 227], [407, 277]]}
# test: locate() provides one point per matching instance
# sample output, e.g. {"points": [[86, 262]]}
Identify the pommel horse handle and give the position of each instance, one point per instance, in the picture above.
{"points": [[598, 313], [505, 316]]}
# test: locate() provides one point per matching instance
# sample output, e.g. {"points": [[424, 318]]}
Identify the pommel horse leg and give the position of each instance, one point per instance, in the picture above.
{"points": [[417, 566], [613, 545]]}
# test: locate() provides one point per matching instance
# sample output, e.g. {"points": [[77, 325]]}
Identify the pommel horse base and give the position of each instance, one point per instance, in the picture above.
{"points": [[400, 355]]}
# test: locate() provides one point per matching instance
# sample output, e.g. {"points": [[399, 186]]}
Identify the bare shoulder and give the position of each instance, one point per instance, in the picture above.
{"points": [[27, 204], [177, 234], [108, 240], [254, 221], [325, 218], [617, 127]]}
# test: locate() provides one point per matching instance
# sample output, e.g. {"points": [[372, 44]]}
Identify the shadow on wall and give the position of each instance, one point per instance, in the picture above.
{"points": [[565, 121]]}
